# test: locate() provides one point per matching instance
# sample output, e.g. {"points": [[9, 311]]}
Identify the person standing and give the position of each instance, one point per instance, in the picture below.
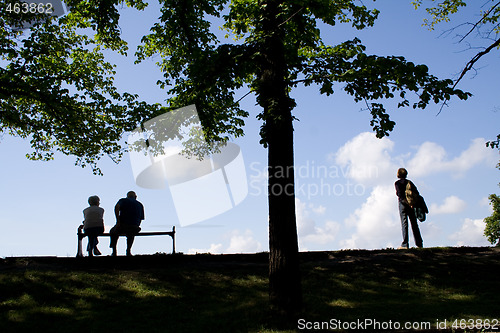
{"points": [[406, 211], [93, 224], [129, 213]]}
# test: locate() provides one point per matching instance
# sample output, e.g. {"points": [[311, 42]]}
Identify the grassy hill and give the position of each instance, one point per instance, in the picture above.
{"points": [[382, 289]]}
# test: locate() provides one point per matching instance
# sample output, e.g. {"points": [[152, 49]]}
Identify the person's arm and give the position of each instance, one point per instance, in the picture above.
{"points": [[397, 190], [117, 213]]}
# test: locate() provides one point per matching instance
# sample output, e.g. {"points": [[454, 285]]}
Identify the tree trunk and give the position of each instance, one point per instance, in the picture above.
{"points": [[272, 94], [284, 275]]}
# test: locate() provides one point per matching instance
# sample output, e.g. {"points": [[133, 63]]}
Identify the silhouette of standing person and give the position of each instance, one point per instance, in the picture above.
{"points": [[93, 224], [129, 213], [406, 211]]}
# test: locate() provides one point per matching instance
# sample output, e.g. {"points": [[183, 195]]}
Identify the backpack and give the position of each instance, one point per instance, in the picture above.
{"points": [[411, 194]]}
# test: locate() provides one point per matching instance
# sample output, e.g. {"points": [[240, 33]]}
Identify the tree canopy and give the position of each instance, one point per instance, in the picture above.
{"points": [[492, 228], [56, 87], [203, 70], [76, 109]]}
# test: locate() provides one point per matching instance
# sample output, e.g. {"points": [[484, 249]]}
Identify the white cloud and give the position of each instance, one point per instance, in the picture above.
{"points": [[470, 234], [323, 235], [320, 210], [243, 243], [432, 158], [214, 248], [476, 154], [432, 233], [367, 157], [451, 205], [377, 222], [239, 242], [429, 157], [305, 224], [485, 202], [309, 232]]}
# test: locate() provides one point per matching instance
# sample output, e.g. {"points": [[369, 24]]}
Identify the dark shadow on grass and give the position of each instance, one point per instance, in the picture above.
{"points": [[422, 286], [128, 297], [205, 293]]}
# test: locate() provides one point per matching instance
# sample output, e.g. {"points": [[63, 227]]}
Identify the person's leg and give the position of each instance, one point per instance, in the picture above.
{"points": [[130, 242], [113, 235], [404, 225], [99, 231], [91, 238], [414, 227], [131, 232], [89, 243], [92, 243]]}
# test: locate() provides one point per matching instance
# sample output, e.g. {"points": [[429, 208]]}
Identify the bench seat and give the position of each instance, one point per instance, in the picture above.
{"points": [[81, 235]]}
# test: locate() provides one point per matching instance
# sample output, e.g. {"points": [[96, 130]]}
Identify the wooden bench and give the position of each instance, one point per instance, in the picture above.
{"points": [[81, 235]]}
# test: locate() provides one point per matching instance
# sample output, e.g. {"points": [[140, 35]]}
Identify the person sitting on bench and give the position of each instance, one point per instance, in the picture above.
{"points": [[93, 224], [129, 213]]}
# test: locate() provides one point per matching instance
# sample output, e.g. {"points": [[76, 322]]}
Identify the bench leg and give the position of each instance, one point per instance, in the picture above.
{"points": [[80, 235], [79, 252], [173, 239], [173, 244]]}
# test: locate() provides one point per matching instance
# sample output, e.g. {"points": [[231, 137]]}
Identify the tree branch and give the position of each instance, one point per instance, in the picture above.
{"points": [[288, 19], [239, 100], [471, 63], [478, 22]]}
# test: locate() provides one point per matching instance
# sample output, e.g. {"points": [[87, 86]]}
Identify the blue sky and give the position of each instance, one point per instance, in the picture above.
{"points": [[345, 176]]}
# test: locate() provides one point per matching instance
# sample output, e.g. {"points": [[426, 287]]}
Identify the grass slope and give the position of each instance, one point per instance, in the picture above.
{"points": [[228, 293]]}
